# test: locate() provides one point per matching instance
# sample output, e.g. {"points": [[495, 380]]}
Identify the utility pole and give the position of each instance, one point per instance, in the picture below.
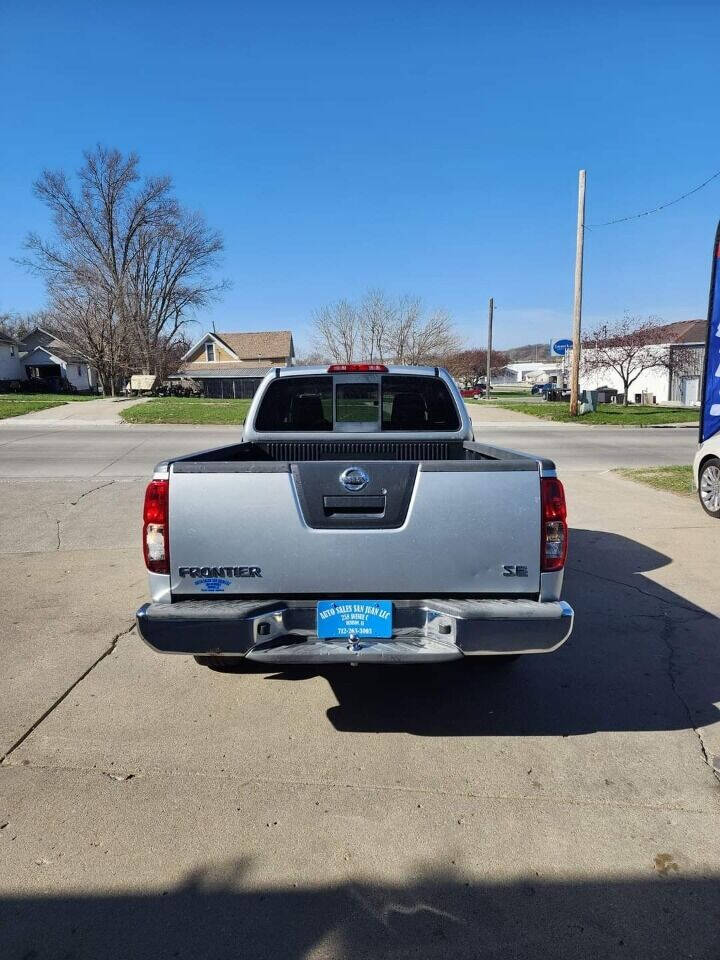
{"points": [[491, 310], [577, 306]]}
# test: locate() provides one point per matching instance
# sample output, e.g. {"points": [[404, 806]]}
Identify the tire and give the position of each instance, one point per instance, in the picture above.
{"points": [[222, 664], [709, 487]]}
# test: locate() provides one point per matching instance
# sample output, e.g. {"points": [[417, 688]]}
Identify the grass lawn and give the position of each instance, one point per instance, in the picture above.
{"points": [[506, 398], [509, 392], [187, 410], [15, 408], [675, 479], [42, 397], [609, 414]]}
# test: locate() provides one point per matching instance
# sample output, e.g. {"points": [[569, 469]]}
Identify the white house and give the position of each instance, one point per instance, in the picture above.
{"points": [[531, 372], [46, 358], [680, 348], [10, 366]]}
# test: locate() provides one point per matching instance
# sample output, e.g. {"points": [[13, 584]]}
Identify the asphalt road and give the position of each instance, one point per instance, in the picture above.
{"points": [[149, 808], [46, 452]]}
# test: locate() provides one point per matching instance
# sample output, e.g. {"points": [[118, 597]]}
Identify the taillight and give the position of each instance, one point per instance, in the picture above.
{"points": [[155, 527], [357, 368], [554, 538]]}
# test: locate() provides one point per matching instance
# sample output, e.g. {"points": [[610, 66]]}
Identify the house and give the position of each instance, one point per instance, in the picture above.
{"points": [[677, 378], [47, 359], [233, 364], [530, 372], [11, 369]]}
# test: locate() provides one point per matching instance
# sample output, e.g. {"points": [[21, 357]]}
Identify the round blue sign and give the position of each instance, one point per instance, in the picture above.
{"points": [[561, 347]]}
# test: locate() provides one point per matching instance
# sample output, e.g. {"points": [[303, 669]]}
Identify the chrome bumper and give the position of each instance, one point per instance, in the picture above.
{"points": [[423, 630]]}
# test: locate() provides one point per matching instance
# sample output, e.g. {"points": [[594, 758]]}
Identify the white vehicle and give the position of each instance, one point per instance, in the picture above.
{"points": [[706, 469]]}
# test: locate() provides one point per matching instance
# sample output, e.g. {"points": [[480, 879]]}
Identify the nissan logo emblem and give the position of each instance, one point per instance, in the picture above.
{"points": [[354, 479]]}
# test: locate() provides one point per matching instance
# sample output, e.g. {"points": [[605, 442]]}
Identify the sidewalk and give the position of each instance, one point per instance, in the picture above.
{"points": [[89, 413]]}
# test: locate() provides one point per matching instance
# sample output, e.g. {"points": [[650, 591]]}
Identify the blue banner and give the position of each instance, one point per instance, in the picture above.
{"points": [[710, 416]]}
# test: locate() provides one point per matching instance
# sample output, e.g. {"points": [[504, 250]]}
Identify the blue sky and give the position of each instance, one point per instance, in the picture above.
{"points": [[426, 148]]}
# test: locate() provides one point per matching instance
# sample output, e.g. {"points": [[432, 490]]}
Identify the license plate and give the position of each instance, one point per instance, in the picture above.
{"points": [[354, 618]]}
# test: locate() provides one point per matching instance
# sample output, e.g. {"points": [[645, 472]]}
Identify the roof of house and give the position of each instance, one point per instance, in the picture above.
{"points": [[49, 334], [220, 368], [57, 349], [665, 334], [684, 331], [250, 346]]}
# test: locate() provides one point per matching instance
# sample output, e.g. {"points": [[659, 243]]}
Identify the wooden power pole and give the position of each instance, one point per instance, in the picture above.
{"points": [[491, 310], [577, 306]]}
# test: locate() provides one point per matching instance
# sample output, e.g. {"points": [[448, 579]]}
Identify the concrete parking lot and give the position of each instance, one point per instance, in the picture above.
{"points": [[566, 807]]}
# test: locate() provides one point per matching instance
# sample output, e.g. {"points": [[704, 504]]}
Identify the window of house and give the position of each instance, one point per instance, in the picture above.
{"points": [[210, 352], [12, 350], [79, 366]]}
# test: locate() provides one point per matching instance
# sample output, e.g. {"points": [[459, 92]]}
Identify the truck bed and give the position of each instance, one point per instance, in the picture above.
{"points": [[299, 451]]}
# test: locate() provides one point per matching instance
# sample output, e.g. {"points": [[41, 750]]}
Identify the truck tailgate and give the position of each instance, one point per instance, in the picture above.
{"points": [[419, 528]]}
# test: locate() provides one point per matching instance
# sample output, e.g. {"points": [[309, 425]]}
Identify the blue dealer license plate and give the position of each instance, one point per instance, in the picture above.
{"points": [[354, 618]]}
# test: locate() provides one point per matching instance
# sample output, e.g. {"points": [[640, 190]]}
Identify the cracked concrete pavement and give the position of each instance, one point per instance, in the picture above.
{"points": [[567, 807]]}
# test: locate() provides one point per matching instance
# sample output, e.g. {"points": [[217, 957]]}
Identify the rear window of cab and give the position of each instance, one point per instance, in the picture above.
{"points": [[323, 403]]}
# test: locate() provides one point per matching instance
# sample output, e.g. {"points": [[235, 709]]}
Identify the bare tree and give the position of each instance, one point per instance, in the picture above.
{"points": [[87, 319], [377, 318], [336, 331], [384, 331], [423, 340], [95, 227], [126, 257], [18, 325], [168, 279], [313, 359], [627, 347]]}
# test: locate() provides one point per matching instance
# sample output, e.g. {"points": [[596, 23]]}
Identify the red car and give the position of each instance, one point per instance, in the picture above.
{"points": [[473, 393]]}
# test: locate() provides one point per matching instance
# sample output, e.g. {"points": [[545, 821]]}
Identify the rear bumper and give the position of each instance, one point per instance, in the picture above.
{"points": [[423, 630]]}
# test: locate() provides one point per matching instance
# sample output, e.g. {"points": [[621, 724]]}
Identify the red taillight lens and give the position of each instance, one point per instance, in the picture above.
{"points": [[357, 368], [554, 538], [155, 527]]}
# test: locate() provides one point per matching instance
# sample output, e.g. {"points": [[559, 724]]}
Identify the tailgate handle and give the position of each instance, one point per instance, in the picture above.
{"points": [[353, 506]]}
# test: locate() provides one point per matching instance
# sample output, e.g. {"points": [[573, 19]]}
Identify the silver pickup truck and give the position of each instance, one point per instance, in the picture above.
{"points": [[357, 521]]}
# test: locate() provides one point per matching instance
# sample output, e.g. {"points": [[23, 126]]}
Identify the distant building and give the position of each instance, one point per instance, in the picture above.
{"points": [[233, 364], [48, 359], [11, 368], [678, 376], [43, 358], [530, 372]]}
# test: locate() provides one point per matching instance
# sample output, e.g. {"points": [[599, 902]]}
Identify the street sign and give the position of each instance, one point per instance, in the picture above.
{"points": [[560, 347]]}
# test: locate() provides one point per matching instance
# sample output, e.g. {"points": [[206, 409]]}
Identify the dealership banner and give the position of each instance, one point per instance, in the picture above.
{"points": [[710, 417]]}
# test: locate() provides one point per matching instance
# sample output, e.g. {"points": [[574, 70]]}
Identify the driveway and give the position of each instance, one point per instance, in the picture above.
{"points": [[564, 808], [102, 412]]}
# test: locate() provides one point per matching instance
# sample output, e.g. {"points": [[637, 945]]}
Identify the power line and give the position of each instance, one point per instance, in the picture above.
{"points": [[664, 206]]}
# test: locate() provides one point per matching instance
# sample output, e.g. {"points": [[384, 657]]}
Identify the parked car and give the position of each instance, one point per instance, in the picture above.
{"points": [[541, 388], [473, 393], [357, 521], [557, 393], [706, 472]]}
